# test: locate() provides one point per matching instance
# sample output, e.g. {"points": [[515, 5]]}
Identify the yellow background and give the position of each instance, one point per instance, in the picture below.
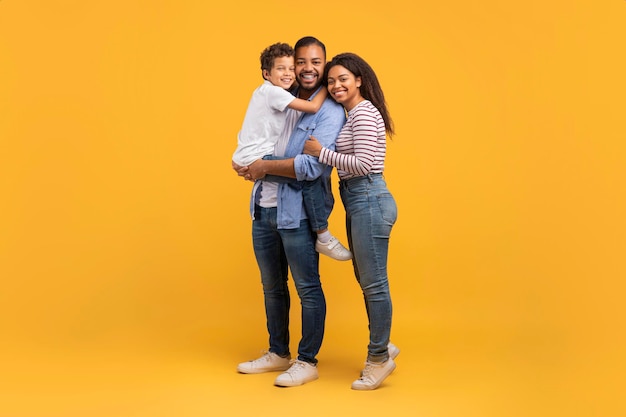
{"points": [[129, 287]]}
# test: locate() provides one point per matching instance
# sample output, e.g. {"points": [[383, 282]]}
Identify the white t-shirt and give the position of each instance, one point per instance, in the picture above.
{"points": [[269, 190], [263, 123]]}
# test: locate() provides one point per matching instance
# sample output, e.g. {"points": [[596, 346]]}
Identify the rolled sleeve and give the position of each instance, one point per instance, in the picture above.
{"points": [[325, 126]]}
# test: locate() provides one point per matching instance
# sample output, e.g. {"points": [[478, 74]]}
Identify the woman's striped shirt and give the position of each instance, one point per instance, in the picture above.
{"points": [[361, 145]]}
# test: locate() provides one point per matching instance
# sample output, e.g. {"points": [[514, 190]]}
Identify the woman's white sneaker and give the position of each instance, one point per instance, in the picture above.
{"points": [[393, 350], [374, 374], [299, 373], [269, 362]]}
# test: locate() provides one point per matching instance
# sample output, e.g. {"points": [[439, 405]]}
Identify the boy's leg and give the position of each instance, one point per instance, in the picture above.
{"points": [[315, 206]]}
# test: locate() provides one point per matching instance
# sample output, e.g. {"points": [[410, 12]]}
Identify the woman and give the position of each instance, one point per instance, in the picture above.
{"points": [[370, 208]]}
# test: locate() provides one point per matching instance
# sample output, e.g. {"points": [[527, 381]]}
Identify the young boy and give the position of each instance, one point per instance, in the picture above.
{"points": [[265, 120]]}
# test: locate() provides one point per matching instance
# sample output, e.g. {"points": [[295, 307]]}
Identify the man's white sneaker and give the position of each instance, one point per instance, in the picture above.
{"points": [[269, 362], [299, 373], [334, 249], [374, 374]]}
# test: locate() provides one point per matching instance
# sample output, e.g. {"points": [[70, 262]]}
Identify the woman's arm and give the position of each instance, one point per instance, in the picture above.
{"points": [[364, 147]]}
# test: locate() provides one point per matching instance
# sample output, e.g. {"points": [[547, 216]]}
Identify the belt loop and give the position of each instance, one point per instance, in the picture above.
{"points": [[369, 177]]}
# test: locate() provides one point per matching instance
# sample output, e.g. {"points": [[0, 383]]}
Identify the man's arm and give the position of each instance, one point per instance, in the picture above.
{"points": [[262, 167], [328, 121]]}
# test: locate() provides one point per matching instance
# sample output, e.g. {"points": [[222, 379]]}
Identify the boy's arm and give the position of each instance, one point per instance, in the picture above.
{"points": [[329, 124], [309, 106]]}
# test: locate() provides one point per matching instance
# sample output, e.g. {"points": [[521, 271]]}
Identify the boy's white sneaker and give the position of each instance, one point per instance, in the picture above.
{"points": [[334, 249], [299, 373], [269, 362], [374, 374]]}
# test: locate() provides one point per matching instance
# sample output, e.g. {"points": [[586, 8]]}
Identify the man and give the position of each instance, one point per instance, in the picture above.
{"points": [[282, 237]]}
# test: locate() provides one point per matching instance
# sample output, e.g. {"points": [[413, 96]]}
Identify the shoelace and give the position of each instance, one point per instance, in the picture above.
{"points": [[367, 372], [296, 366], [266, 357]]}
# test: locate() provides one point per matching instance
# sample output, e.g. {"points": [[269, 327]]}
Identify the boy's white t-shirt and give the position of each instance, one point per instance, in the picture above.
{"points": [[263, 123], [269, 190]]}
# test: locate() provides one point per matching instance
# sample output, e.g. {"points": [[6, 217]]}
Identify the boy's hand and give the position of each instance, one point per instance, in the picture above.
{"points": [[241, 171], [235, 166]]}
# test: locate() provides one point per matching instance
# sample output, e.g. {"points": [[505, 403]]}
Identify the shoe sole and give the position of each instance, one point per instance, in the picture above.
{"points": [[242, 370], [334, 257], [262, 370], [296, 383]]}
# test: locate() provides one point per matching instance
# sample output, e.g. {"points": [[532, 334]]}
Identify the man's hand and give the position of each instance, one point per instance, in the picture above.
{"points": [[256, 170]]}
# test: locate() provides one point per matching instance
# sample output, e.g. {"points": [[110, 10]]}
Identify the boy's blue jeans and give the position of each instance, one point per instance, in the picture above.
{"points": [[312, 196]]}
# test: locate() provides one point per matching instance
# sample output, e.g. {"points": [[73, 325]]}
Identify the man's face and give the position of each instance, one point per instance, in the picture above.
{"points": [[310, 61]]}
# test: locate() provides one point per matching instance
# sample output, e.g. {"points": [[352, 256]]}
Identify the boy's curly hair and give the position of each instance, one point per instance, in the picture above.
{"points": [[274, 51]]}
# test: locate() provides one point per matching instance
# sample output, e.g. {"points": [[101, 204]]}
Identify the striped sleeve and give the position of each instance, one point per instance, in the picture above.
{"points": [[357, 144]]}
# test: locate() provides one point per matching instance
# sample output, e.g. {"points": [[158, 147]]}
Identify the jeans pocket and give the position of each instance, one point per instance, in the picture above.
{"points": [[388, 207]]}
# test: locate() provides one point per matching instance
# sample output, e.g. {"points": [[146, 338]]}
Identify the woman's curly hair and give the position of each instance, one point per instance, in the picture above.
{"points": [[370, 87]]}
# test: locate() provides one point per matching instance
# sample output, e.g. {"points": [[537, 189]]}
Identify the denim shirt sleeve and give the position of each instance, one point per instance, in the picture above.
{"points": [[325, 125]]}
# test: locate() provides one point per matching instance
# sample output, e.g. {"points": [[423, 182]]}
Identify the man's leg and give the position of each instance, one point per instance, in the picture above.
{"points": [[272, 263], [273, 267], [299, 248], [303, 262]]}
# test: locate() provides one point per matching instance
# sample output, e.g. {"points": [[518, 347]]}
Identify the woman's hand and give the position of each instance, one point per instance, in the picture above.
{"points": [[312, 147]]}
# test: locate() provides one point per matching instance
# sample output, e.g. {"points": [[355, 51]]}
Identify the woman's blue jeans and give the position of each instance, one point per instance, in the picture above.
{"points": [[371, 212], [280, 250]]}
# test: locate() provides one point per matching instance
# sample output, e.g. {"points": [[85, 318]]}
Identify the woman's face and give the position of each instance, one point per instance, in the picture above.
{"points": [[343, 86]]}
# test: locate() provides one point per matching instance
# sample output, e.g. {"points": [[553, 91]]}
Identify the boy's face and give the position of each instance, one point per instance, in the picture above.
{"points": [[282, 73]]}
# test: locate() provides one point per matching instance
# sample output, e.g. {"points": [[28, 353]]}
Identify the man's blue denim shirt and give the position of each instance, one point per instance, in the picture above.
{"points": [[325, 125]]}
